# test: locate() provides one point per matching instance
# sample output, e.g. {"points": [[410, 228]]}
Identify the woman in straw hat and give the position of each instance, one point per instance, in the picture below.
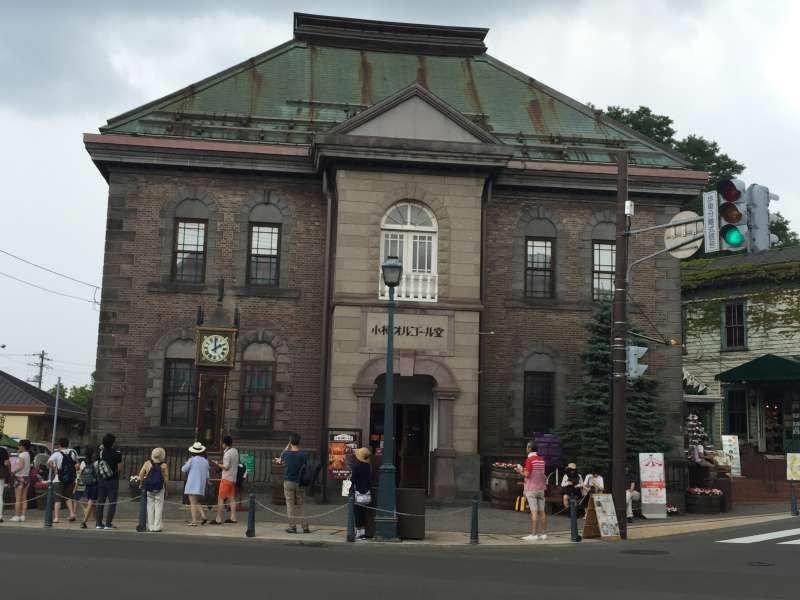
{"points": [[571, 484], [154, 476], [196, 469], [362, 489]]}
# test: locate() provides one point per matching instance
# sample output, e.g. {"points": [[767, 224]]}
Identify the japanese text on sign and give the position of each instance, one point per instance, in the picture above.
{"points": [[409, 331]]}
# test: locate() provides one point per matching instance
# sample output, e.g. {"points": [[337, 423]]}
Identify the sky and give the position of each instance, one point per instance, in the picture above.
{"points": [[723, 70]]}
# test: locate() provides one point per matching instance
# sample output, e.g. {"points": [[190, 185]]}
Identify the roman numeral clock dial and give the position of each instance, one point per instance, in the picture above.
{"points": [[215, 348]]}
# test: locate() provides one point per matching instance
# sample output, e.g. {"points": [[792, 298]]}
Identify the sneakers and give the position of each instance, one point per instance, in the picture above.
{"points": [[291, 530], [110, 527], [15, 519], [531, 538], [83, 525], [99, 527], [542, 536], [22, 519]]}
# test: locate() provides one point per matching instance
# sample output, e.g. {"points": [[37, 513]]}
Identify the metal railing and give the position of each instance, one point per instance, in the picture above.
{"points": [[420, 287]]}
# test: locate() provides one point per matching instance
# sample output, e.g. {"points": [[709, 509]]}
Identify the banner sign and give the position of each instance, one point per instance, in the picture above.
{"points": [[730, 446], [793, 466], [654, 485], [342, 443], [711, 221]]}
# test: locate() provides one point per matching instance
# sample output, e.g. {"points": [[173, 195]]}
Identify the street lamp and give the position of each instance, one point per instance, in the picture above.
{"points": [[386, 517]]}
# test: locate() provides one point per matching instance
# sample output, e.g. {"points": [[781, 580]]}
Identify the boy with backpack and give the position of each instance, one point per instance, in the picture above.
{"points": [[62, 464], [154, 476]]}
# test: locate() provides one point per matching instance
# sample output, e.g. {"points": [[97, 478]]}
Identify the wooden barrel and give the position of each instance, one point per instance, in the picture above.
{"points": [[504, 487], [701, 504], [276, 478]]}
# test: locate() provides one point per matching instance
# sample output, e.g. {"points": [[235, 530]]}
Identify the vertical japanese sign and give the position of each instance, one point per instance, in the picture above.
{"points": [[730, 446], [342, 443], [711, 221], [653, 485]]}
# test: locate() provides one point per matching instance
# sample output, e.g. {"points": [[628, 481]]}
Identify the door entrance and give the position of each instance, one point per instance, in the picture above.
{"points": [[210, 408], [411, 435]]}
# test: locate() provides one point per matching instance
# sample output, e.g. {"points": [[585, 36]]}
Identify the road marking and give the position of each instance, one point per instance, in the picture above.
{"points": [[763, 537], [791, 542]]}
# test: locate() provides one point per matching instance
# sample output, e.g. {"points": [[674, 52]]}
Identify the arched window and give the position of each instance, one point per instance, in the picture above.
{"points": [[408, 231], [540, 240], [263, 256], [539, 403], [191, 237], [604, 261], [179, 402], [258, 375]]}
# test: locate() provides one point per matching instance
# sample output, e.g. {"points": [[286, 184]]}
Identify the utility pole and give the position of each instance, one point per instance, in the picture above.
{"points": [[619, 370], [42, 356]]}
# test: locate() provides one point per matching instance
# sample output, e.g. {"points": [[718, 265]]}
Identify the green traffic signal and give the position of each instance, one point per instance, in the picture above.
{"points": [[732, 236]]}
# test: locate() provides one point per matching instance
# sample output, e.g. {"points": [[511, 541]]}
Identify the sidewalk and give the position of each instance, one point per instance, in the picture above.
{"points": [[446, 526]]}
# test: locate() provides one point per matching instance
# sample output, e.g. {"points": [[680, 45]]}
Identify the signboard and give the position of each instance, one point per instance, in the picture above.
{"points": [[677, 235], [711, 221], [793, 466], [342, 443], [730, 446], [601, 518], [411, 332], [653, 485]]}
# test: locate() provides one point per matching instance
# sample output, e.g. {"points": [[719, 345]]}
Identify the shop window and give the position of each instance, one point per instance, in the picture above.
{"points": [[734, 334], [263, 257], [539, 281], [409, 232], [604, 260], [179, 404], [538, 410], [736, 413]]}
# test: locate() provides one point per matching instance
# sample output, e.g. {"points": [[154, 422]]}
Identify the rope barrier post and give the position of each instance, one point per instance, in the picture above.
{"points": [[351, 519], [573, 520], [48, 508], [142, 526], [793, 498], [251, 516], [473, 530]]}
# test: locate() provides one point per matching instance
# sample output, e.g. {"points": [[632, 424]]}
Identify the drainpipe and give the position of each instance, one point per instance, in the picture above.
{"points": [[325, 341], [486, 198]]}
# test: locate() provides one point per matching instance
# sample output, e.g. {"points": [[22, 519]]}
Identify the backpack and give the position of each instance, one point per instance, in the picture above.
{"points": [[241, 475], [104, 469], [89, 475], [307, 474], [154, 480], [66, 473]]}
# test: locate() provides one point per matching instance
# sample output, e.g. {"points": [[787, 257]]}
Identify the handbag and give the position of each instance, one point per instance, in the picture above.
{"points": [[346, 485], [363, 499]]}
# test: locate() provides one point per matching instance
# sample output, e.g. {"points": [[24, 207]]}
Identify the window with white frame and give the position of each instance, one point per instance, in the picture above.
{"points": [[408, 231]]}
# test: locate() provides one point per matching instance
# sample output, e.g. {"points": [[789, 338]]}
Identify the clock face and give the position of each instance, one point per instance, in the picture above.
{"points": [[215, 348]]}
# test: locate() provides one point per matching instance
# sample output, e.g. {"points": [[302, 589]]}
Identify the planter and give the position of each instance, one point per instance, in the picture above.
{"points": [[702, 504], [276, 478], [504, 488]]}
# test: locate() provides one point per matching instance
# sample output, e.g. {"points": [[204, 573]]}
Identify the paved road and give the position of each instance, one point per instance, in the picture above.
{"points": [[38, 563]]}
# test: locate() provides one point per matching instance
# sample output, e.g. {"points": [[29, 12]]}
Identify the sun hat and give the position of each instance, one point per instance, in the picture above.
{"points": [[363, 454], [572, 466], [197, 448], [158, 455]]}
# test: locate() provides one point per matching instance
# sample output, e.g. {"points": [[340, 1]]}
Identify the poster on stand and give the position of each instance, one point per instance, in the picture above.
{"points": [[601, 518], [730, 446], [342, 443], [653, 485], [793, 466]]}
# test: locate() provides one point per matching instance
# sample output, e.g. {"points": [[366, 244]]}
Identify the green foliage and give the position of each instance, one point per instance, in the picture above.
{"points": [[77, 394], [645, 121], [586, 433], [786, 237], [61, 389]]}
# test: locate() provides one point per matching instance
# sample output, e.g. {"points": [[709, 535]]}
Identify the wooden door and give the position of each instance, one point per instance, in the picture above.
{"points": [[210, 410], [412, 445]]}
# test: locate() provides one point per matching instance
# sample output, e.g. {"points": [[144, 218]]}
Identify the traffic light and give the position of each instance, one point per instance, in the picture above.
{"points": [[733, 230], [632, 356], [760, 218]]}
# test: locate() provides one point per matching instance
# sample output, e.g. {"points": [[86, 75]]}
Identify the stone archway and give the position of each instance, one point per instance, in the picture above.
{"points": [[445, 392]]}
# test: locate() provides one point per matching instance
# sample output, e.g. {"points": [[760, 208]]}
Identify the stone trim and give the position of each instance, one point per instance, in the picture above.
{"points": [[518, 256]]}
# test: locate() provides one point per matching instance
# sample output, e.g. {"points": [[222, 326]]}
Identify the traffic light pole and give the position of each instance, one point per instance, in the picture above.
{"points": [[619, 370]]}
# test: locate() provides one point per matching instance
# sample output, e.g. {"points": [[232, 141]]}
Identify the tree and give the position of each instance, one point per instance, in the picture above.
{"points": [[586, 434], [702, 154], [77, 394], [63, 394]]}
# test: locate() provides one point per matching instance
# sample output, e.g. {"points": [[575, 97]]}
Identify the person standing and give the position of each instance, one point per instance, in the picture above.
{"points": [[361, 490], [87, 475], [154, 476], [571, 484], [535, 485], [294, 459], [227, 482], [196, 469], [5, 476], [21, 477], [63, 471], [109, 467]]}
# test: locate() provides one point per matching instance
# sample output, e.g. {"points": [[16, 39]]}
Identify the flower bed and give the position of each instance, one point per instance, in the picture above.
{"points": [[704, 500], [704, 491]]}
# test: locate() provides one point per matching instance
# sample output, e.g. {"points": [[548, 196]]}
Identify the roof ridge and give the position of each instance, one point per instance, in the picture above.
{"points": [[37, 393]]}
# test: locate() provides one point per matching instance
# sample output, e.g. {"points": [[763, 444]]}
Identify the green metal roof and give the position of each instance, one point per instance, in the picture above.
{"points": [[295, 90], [763, 369]]}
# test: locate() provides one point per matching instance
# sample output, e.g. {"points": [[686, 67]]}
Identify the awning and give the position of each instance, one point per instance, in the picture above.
{"points": [[764, 368], [7, 441]]}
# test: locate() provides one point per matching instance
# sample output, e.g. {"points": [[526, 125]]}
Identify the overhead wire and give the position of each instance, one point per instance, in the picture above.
{"points": [[33, 264], [92, 302]]}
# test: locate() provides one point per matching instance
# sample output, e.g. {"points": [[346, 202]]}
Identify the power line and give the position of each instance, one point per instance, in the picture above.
{"points": [[77, 364], [19, 258], [47, 289]]}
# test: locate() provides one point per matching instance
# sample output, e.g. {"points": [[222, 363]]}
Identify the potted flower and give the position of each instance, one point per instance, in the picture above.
{"points": [[505, 484], [134, 487], [703, 500], [672, 510]]}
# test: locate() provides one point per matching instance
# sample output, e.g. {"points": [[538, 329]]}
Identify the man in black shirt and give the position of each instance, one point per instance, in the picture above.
{"points": [[109, 467], [5, 476]]}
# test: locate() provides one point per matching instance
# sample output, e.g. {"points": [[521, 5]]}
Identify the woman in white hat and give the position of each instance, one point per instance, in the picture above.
{"points": [[196, 469], [362, 489]]}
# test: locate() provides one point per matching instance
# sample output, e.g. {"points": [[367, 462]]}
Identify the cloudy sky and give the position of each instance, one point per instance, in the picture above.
{"points": [[724, 70]]}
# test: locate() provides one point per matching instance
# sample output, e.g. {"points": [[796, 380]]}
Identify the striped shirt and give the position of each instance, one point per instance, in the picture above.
{"points": [[535, 481]]}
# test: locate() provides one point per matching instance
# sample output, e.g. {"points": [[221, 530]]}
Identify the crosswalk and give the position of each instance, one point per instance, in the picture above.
{"points": [[766, 537]]}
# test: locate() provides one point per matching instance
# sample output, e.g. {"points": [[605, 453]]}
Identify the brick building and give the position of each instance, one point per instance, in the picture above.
{"points": [[251, 211]]}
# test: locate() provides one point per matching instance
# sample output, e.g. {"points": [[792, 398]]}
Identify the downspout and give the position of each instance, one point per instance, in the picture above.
{"points": [[486, 198], [326, 337]]}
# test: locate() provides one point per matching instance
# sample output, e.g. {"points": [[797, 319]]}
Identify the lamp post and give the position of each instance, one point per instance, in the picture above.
{"points": [[386, 518]]}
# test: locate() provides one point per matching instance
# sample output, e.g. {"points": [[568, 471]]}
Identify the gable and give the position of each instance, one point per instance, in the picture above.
{"points": [[415, 119]]}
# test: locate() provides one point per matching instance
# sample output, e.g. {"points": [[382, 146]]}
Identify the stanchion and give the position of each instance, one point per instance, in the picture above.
{"points": [[573, 520], [251, 516], [473, 529], [351, 519], [142, 526], [793, 499], [48, 510]]}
